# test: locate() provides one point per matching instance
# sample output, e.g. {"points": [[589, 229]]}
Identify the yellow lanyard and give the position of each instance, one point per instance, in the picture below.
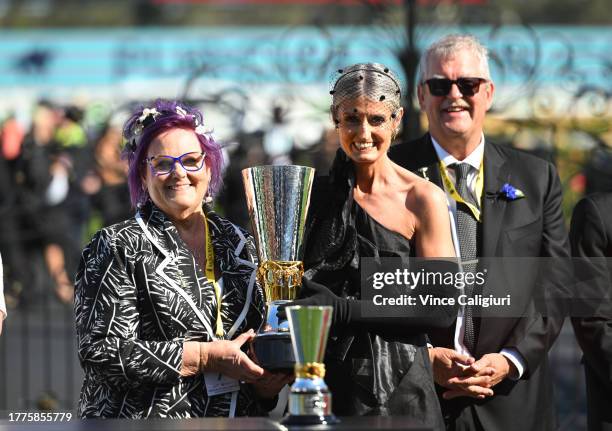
{"points": [[450, 188], [210, 274]]}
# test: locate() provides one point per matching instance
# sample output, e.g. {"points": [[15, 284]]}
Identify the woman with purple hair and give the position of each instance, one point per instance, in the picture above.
{"points": [[165, 300]]}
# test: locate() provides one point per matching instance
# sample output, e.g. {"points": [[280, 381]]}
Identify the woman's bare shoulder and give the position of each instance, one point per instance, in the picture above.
{"points": [[421, 193]]}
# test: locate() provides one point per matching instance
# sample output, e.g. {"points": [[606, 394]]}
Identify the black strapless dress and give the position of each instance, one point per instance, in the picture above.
{"points": [[368, 371], [371, 373]]}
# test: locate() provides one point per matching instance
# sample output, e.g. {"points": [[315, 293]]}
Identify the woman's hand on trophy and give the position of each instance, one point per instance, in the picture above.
{"points": [[270, 384], [226, 357]]}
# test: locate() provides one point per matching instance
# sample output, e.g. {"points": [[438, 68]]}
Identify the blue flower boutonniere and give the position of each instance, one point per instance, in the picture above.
{"points": [[511, 193], [507, 192]]}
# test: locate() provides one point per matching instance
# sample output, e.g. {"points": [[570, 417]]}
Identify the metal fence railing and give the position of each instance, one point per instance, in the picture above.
{"points": [[39, 369]]}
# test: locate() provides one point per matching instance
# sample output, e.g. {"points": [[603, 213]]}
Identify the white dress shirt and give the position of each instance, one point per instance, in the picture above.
{"points": [[474, 159]]}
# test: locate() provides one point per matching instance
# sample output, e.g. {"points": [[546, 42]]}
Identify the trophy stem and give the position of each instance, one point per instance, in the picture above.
{"points": [[273, 324], [281, 281]]}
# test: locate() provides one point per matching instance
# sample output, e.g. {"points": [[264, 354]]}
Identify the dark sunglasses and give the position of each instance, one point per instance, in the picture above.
{"points": [[442, 86]]}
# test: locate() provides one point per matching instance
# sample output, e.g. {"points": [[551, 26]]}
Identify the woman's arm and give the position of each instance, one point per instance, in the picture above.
{"points": [[108, 321], [433, 232], [417, 319]]}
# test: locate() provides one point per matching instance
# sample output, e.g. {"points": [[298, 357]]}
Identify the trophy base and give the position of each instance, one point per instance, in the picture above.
{"points": [[304, 420], [274, 351]]}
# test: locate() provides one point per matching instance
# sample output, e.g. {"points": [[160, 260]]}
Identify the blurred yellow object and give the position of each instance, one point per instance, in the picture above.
{"points": [[71, 135]]}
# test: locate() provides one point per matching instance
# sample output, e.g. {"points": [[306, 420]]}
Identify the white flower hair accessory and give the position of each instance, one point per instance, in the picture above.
{"points": [[181, 111], [201, 130], [148, 115]]}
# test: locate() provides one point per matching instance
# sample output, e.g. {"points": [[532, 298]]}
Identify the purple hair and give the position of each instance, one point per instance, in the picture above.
{"points": [[139, 133]]}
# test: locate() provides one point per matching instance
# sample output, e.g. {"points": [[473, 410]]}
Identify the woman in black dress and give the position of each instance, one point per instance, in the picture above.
{"points": [[371, 207]]}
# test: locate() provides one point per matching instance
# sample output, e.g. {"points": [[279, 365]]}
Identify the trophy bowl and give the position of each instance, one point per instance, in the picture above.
{"points": [[277, 199]]}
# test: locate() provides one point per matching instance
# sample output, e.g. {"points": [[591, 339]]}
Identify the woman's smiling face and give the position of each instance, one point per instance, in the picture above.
{"points": [[366, 128], [179, 193]]}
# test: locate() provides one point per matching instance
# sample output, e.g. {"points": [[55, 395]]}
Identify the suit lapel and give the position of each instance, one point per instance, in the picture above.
{"points": [[429, 166], [493, 208], [162, 234], [496, 173], [228, 243]]}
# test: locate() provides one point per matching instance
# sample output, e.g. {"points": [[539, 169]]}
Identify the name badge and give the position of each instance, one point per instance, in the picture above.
{"points": [[217, 383]]}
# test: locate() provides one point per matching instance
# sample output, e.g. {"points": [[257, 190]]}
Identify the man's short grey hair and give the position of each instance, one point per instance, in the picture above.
{"points": [[451, 45]]}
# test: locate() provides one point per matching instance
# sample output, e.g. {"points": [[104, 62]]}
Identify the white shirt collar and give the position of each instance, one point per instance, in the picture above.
{"points": [[474, 159]]}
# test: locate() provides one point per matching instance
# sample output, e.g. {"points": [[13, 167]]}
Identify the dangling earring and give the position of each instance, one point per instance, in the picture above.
{"points": [[395, 133]]}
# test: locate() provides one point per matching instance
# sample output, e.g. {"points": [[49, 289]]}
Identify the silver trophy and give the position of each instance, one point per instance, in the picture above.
{"points": [[310, 402], [277, 198]]}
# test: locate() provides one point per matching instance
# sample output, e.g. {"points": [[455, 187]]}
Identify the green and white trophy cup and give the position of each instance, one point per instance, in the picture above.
{"points": [[310, 401]]}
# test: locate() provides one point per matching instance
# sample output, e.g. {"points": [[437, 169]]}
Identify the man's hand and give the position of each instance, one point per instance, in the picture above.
{"points": [[485, 373], [454, 371], [499, 363], [448, 363], [1, 321]]}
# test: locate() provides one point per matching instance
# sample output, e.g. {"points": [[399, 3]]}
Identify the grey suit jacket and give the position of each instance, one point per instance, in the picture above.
{"points": [[591, 237]]}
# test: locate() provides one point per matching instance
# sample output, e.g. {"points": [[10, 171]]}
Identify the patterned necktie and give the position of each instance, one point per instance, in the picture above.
{"points": [[467, 230]]}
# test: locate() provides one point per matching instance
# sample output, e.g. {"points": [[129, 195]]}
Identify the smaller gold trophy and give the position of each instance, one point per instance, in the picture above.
{"points": [[277, 198], [310, 402]]}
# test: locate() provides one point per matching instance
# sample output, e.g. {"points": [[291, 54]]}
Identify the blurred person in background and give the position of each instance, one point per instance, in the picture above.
{"points": [[73, 160], [11, 240], [249, 152], [12, 138], [106, 183], [597, 175], [165, 300], [45, 172], [324, 151], [277, 141], [591, 240]]}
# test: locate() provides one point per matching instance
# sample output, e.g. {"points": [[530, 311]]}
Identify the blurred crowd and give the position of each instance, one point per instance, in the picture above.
{"points": [[61, 180], [53, 177]]}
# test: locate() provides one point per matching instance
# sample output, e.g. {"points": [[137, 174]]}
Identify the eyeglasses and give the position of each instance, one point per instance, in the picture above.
{"points": [[442, 86], [162, 165]]}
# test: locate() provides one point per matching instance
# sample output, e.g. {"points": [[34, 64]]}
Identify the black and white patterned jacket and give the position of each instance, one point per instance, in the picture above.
{"points": [[139, 295]]}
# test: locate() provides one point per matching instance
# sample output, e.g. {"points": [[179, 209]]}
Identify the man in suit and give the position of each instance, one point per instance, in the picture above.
{"points": [[591, 237], [506, 204]]}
